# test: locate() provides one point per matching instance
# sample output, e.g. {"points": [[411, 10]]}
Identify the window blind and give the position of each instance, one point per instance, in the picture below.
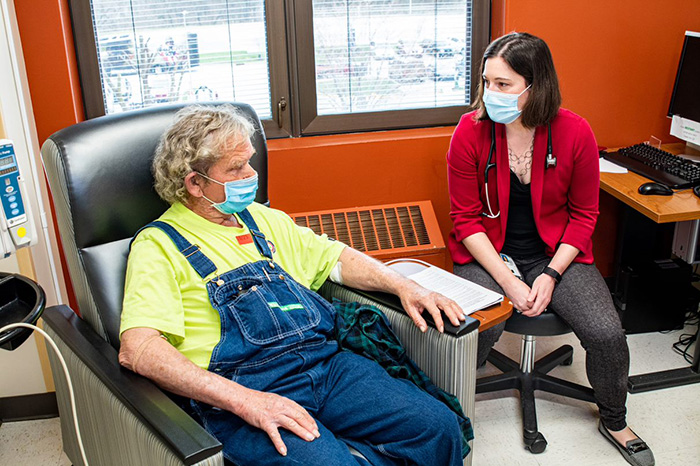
{"points": [[162, 51], [378, 55]]}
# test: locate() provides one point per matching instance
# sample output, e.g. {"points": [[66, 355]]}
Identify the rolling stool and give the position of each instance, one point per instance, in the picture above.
{"points": [[528, 375]]}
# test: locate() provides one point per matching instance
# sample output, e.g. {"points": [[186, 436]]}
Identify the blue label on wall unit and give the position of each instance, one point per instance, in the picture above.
{"points": [[10, 195]]}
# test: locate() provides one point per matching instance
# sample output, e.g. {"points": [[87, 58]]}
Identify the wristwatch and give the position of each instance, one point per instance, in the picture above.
{"points": [[552, 273]]}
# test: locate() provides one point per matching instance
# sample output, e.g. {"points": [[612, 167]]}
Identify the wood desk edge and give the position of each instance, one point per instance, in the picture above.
{"points": [[618, 185], [493, 315]]}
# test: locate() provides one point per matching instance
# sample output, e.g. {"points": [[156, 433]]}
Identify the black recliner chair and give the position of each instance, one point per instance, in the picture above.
{"points": [[100, 178]]}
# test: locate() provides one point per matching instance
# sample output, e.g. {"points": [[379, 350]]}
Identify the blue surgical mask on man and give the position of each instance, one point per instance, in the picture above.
{"points": [[502, 107], [239, 194]]}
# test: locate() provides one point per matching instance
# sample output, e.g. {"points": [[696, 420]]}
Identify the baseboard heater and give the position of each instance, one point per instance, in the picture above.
{"points": [[385, 232]]}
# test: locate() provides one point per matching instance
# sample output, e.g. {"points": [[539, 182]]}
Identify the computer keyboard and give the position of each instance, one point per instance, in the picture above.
{"points": [[658, 165]]}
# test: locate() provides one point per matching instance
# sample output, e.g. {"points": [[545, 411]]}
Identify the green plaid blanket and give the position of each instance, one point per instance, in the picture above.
{"points": [[366, 331]]}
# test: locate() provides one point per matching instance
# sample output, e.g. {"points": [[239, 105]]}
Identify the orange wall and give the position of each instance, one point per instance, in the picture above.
{"points": [[616, 62], [361, 169], [47, 41]]}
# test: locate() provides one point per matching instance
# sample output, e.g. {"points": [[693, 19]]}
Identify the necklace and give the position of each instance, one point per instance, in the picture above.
{"points": [[522, 163]]}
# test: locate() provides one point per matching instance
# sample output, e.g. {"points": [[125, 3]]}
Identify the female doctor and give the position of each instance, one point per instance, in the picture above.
{"points": [[523, 180]]}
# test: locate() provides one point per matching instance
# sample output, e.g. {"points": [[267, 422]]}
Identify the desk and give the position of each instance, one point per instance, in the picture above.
{"points": [[681, 206], [493, 315]]}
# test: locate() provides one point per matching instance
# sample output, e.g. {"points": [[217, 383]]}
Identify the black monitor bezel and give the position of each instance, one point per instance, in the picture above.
{"points": [[686, 39]]}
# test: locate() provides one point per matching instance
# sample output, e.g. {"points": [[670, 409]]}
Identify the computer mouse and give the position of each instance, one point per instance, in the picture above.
{"points": [[696, 190], [656, 189]]}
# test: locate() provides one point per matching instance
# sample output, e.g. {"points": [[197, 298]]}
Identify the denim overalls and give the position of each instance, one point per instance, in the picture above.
{"points": [[277, 336]]}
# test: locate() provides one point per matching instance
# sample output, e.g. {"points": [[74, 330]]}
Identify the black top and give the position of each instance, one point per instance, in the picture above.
{"points": [[522, 238]]}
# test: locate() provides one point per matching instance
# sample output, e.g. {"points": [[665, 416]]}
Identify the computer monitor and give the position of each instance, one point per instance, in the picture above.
{"points": [[685, 100]]}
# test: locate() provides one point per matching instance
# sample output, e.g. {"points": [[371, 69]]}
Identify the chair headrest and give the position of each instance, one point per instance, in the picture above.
{"points": [[107, 169]]}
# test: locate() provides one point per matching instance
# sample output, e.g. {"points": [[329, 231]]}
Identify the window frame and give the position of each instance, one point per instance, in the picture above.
{"points": [[292, 72], [91, 84], [313, 124]]}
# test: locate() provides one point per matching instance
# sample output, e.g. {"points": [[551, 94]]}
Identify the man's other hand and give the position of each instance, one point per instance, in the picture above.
{"points": [[269, 412]]}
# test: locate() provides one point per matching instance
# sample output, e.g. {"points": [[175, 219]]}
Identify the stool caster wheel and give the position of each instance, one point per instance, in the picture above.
{"points": [[536, 444], [568, 361]]}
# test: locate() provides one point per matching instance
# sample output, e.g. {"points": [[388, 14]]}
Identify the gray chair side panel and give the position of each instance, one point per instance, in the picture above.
{"points": [[216, 460], [111, 434], [449, 362], [55, 171]]}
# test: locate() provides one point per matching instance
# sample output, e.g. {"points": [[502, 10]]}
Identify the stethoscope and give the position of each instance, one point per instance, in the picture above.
{"points": [[550, 162]]}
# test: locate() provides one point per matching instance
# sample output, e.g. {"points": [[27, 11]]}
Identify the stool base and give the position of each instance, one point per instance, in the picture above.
{"points": [[527, 381]]}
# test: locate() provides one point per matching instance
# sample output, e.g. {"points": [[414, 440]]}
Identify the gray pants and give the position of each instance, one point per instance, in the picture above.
{"points": [[583, 301]]}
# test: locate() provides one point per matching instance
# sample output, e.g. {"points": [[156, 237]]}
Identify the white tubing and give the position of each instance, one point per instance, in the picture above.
{"points": [[65, 371]]}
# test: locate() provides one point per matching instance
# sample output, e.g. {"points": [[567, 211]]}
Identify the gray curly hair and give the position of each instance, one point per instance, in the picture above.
{"points": [[194, 142]]}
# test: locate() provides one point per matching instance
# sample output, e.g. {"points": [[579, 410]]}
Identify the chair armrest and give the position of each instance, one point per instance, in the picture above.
{"points": [[180, 434], [331, 290]]}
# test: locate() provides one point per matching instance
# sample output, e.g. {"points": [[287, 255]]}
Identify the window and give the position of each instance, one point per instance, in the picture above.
{"points": [[306, 66]]}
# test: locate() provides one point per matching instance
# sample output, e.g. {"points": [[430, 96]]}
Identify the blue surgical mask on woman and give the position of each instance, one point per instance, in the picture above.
{"points": [[239, 194], [502, 107]]}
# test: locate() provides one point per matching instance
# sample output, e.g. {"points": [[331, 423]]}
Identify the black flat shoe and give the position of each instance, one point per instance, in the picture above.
{"points": [[636, 452]]}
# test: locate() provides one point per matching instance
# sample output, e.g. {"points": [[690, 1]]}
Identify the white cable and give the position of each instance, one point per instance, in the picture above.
{"points": [[401, 260], [65, 371]]}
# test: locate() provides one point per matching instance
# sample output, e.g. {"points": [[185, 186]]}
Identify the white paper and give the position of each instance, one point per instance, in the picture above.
{"points": [[688, 130], [470, 296], [606, 166]]}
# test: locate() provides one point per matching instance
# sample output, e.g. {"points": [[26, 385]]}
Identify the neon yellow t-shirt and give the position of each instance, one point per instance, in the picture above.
{"points": [[165, 293]]}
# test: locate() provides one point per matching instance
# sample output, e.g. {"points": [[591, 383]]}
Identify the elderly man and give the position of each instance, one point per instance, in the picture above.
{"points": [[218, 308]]}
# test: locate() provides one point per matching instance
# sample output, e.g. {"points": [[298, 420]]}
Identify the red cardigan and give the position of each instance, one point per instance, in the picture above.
{"points": [[564, 198]]}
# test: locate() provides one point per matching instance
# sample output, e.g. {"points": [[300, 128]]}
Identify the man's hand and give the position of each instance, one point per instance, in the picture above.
{"points": [[144, 352], [363, 272], [415, 299], [269, 412], [540, 295]]}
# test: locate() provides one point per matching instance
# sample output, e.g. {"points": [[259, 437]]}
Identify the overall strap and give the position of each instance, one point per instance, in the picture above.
{"points": [[201, 263], [258, 236]]}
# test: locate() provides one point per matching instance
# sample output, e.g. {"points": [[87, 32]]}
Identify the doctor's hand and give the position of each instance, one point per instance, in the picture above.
{"points": [[540, 295], [519, 294], [269, 412], [415, 299]]}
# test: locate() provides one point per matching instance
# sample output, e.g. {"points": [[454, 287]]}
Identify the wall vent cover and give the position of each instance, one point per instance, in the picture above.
{"points": [[383, 231]]}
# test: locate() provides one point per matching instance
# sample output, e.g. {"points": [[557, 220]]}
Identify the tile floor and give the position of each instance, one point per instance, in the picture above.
{"points": [[669, 420], [32, 443]]}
